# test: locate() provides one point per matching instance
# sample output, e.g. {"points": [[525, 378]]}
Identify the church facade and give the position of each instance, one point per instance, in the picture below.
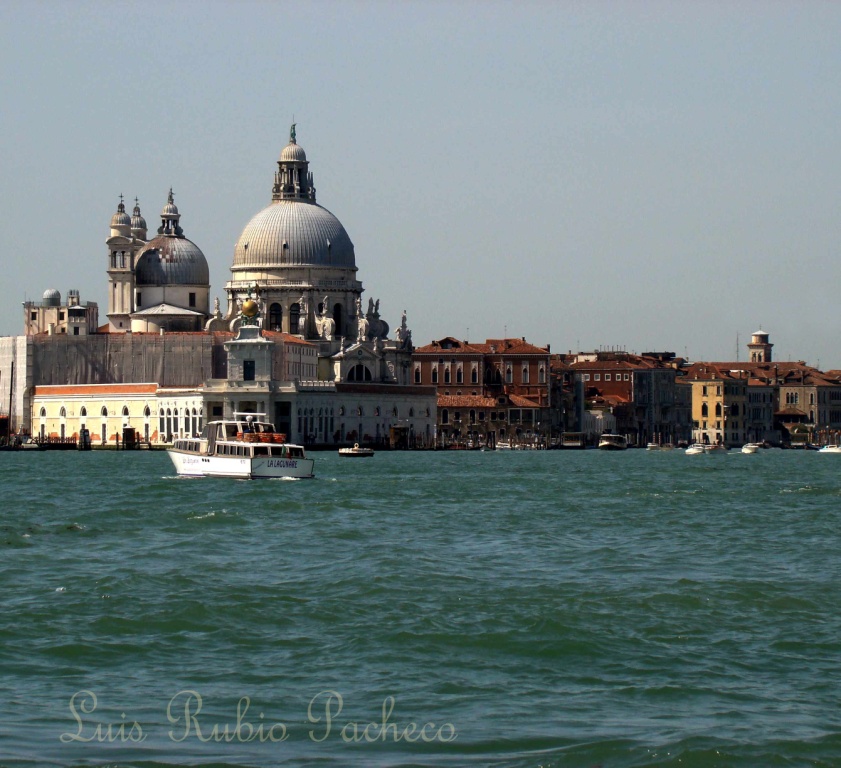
{"points": [[323, 368]]}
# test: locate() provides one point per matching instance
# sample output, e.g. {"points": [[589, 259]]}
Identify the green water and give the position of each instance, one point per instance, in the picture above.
{"points": [[472, 609]]}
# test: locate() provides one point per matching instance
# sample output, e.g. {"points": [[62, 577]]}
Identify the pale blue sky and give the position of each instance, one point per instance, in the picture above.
{"points": [[638, 174]]}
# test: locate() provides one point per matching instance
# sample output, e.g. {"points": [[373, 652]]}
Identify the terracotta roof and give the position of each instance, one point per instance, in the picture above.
{"points": [[287, 338], [452, 346], [68, 390], [522, 402]]}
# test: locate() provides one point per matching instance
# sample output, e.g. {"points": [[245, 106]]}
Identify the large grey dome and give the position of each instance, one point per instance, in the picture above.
{"points": [[293, 233], [168, 260]]}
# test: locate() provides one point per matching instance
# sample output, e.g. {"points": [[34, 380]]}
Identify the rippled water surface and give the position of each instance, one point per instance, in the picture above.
{"points": [[471, 609]]}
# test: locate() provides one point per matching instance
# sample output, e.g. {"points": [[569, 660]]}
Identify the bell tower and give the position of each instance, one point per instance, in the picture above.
{"points": [[759, 347]]}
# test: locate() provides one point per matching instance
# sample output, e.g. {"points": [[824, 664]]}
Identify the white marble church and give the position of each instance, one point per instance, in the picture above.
{"points": [[323, 368]]}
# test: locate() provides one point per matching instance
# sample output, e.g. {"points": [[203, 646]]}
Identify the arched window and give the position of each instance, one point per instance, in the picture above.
{"points": [[509, 375], [417, 374], [395, 412], [125, 410], [294, 317], [434, 375], [718, 409], [525, 374], [275, 317], [359, 372], [459, 375], [359, 411], [704, 411], [104, 412], [411, 412], [43, 413], [541, 375], [63, 412], [84, 411], [147, 412], [474, 375], [447, 375]]}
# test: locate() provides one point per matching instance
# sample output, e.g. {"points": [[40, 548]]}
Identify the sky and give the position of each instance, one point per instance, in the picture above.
{"points": [[633, 175]]}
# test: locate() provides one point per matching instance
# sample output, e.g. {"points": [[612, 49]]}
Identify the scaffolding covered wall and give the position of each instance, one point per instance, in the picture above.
{"points": [[13, 349], [171, 359]]}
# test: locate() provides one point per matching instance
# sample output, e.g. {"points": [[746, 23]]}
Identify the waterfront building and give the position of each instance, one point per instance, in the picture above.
{"points": [[638, 390], [496, 391], [764, 400]]}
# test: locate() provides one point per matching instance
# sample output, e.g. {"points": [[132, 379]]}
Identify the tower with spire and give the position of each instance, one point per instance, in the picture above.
{"points": [[126, 237]]}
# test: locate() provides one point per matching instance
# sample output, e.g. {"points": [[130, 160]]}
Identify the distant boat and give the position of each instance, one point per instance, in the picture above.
{"points": [[695, 449], [717, 448], [830, 449], [356, 451], [613, 442], [750, 447]]}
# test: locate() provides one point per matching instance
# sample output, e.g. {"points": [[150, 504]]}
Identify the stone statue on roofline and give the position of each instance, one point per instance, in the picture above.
{"points": [[325, 325], [303, 310]]}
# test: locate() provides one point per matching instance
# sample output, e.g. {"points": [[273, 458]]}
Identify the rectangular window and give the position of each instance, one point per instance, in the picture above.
{"points": [[192, 299], [586, 377], [627, 377], [139, 302], [248, 370], [33, 316], [607, 376], [597, 377]]}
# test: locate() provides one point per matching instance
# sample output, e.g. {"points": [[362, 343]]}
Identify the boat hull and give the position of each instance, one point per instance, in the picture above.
{"points": [[242, 467]]}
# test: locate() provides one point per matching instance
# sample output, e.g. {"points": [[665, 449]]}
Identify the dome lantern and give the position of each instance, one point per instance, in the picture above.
{"points": [[292, 180]]}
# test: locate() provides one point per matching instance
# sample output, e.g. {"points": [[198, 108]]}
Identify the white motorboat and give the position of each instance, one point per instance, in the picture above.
{"points": [[830, 449], [695, 449], [242, 447], [613, 442], [356, 451], [750, 447]]}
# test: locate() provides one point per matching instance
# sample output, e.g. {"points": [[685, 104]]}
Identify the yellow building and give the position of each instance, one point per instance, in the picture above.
{"points": [[719, 404], [157, 414]]}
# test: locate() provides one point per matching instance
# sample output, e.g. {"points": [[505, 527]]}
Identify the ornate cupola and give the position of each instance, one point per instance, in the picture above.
{"points": [[292, 180], [138, 223], [170, 218], [120, 221]]}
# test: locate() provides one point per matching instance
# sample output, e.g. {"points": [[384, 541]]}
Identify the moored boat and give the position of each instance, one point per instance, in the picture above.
{"points": [[613, 442], [242, 447]]}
